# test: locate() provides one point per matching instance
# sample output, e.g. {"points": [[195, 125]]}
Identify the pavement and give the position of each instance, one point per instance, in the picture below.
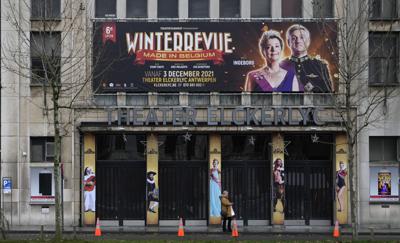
{"points": [[204, 233]]}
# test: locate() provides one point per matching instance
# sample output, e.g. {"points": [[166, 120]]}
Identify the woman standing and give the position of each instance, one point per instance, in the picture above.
{"points": [[226, 211], [215, 189]]}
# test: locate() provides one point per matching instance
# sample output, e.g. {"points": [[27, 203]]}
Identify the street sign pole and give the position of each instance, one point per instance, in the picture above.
{"points": [[7, 189]]}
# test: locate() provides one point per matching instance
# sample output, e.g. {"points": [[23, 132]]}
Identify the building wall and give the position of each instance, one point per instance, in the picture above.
{"points": [[377, 214], [384, 123], [22, 118]]}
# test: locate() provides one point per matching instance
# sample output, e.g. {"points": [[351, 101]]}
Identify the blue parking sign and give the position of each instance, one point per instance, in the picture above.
{"points": [[7, 185]]}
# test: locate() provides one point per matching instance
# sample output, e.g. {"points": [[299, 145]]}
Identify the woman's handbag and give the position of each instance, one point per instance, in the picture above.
{"points": [[233, 212]]}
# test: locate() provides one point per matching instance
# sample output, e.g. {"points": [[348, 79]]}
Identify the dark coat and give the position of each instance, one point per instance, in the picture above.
{"points": [[311, 72], [226, 206]]}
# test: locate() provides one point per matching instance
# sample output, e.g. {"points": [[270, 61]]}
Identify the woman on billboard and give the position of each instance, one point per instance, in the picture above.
{"points": [[271, 77], [341, 184], [215, 190]]}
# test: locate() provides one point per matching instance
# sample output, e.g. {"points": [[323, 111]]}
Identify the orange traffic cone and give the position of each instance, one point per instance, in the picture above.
{"points": [[97, 232], [336, 232], [181, 232], [235, 229]]}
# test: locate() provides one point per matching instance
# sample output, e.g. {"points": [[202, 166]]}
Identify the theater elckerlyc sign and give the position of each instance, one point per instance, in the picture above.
{"points": [[214, 56]]}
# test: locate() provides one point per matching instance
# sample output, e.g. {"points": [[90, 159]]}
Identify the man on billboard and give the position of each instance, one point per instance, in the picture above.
{"points": [[312, 73], [152, 192]]}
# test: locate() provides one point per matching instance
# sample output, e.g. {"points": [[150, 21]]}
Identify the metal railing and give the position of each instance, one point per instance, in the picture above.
{"points": [[215, 99]]}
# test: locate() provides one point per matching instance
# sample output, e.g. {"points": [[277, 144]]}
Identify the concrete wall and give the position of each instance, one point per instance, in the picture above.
{"points": [[379, 215], [22, 115]]}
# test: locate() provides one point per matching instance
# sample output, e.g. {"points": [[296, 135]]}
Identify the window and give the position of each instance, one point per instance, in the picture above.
{"points": [[106, 9], [137, 100], [383, 149], [45, 184], [167, 99], [260, 8], [45, 56], [42, 149], [230, 99], [323, 99], [383, 9], [199, 8], [292, 99], [45, 9], [136, 8], [292, 8], [199, 99], [42, 185], [245, 147], [177, 148], [302, 147], [120, 147], [229, 8], [322, 8], [167, 8], [384, 169], [383, 58], [105, 100], [261, 99], [383, 183]]}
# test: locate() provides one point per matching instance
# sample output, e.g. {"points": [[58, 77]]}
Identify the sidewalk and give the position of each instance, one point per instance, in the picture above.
{"points": [[318, 230]]}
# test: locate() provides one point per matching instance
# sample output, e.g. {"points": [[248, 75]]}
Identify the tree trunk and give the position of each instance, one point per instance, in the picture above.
{"points": [[57, 174], [353, 184]]}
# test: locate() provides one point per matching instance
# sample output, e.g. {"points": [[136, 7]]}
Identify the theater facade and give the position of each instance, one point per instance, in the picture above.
{"points": [[186, 111], [175, 101], [279, 170]]}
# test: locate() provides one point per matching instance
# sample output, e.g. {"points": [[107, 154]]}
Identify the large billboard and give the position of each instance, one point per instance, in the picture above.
{"points": [[215, 56]]}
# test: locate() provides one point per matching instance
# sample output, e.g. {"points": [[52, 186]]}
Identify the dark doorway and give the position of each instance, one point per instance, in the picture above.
{"points": [[183, 190], [309, 191], [120, 177], [309, 178], [246, 175], [183, 175], [121, 191], [248, 184]]}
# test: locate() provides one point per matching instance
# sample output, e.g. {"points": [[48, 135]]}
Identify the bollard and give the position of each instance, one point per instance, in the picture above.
{"points": [[41, 233], [371, 233], [74, 236]]}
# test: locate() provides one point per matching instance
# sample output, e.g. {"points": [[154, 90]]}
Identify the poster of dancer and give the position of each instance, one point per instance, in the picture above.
{"points": [[384, 182], [215, 189], [384, 185], [341, 187]]}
